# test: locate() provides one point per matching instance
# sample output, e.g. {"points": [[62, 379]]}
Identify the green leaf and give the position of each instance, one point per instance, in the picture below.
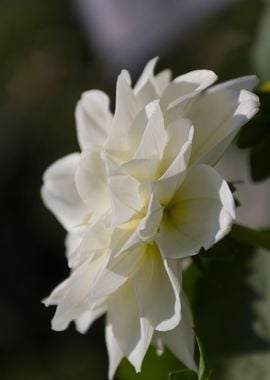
{"points": [[261, 50], [202, 366], [256, 135], [250, 236], [185, 374], [154, 367], [231, 308]]}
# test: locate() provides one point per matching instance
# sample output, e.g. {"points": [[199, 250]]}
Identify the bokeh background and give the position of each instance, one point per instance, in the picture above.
{"points": [[51, 51]]}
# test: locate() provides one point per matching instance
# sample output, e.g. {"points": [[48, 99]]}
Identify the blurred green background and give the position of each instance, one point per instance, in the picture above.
{"points": [[46, 61]]}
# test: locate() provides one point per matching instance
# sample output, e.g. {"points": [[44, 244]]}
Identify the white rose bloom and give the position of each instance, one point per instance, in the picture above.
{"points": [[141, 196]]}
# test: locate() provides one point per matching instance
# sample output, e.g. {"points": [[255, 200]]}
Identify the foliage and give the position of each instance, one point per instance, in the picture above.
{"points": [[256, 136]]}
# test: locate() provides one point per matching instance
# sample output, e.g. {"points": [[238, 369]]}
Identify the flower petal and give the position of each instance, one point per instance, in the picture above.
{"points": [[93, 119], [192, 82], [145, 88], [132, 333], [127, 108], [217, 114], [114, 351], [85, 320], [154, 138], [124, 193], [179, 138], [60, 194], [74, 300], [142, 169], [72, 243], [158, 297], [117, 272], [173, 173], [97, 238], [162, 80], [181, 339], [148, 72], [91, 182], [199, 215]]}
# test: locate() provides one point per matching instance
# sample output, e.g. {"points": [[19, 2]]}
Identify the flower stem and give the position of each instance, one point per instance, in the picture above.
{"points": [[258, 238]]}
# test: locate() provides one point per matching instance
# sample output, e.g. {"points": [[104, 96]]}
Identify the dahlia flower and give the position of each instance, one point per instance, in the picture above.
{"points": [[140, 197]]}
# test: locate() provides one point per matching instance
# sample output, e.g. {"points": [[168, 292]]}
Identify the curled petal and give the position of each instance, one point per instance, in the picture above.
{"points": [[127, 108], [154, 138], [181, 339], [146, 89], [117, 272], [162, 80], [187, 84], [93, 119], [124, 193], [91, 181], [218, 114], [114, 351], [132, 332], [157, 291], [85, 320], [199, 215], [59, 192], [72, 242], [74, 293]]}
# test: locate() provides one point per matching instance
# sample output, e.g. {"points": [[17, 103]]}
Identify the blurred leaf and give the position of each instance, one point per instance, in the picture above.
{"points": [[261, 50], [185, 374], [250, 236], [202, 366], [231, 312], [256, 135], [154, 367]]}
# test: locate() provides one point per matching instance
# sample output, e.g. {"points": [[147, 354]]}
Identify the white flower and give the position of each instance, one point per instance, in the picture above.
{"points": [[140, 195]]}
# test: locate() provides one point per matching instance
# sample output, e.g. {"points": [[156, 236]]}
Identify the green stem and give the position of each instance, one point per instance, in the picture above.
{"points": [[252, 237]]}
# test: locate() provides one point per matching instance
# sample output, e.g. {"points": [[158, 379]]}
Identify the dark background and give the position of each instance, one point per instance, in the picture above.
{"points": [[46, 61]]}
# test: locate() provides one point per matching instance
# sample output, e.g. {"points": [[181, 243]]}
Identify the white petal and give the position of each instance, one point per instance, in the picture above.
{"points": [[248, 82], [114, 352], [59, 192], [91, 182], [181, 339], [135, 134], [157, 296], [85, 320], [179, 134], [93, 119], [124, 193], [147, 73], [144, 228], [96, 238], [162, 80], [72, 243], [149, 225], [217, 114], [194, 81], [57, 294], [117, 272], [127, 108], [133, 334], [74, 300], [199, 215], [143, 169], [146, 89], [154, 138], [172, 176]]}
